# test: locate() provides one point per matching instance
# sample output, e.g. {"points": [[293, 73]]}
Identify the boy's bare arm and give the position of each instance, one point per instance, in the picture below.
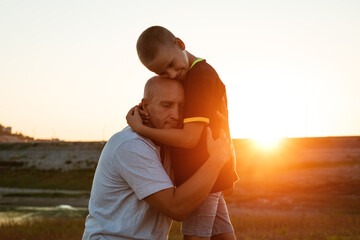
{"points": [[178, 203], [187, 137]]}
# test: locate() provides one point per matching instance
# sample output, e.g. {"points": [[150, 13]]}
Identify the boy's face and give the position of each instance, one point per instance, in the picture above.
{"points": [[170, 62]]}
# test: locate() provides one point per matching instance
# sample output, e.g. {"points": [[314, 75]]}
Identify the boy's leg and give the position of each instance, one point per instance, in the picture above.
{"points": [[186, 237], [222, 227], [199, 224], [224, 236]]}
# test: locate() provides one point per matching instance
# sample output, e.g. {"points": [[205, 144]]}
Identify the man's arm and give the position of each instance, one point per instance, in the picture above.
{"points": [[178, 203], [187, 137]]}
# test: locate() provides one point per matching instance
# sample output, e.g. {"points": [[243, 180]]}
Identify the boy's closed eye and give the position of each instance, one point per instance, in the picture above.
{"points": [[165, 74]]}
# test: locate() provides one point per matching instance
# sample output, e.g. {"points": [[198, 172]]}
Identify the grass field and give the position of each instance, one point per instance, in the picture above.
{"points": [[255, 226], [293, 194], [80, 179], [262, 207], [306, 203]]}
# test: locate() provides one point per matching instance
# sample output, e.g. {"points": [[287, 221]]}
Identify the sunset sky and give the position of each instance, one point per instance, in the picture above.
{"points": [[69, 69]]}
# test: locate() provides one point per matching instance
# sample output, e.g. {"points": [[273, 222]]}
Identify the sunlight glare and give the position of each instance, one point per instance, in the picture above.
{"points": [[267, 143]]}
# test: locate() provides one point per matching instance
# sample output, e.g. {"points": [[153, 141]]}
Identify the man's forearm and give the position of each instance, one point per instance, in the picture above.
{"points": [[178, 203], [191, 193]]}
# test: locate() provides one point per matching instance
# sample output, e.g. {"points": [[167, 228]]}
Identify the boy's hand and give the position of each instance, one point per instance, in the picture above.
{"points": [[144, 115], [134, 120], [220, 149]]}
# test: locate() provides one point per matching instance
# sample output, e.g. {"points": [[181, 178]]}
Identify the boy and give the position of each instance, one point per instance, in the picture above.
{"points": [[206, 104]]}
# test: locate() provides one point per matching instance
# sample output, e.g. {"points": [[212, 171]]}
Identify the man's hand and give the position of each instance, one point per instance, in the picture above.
{"points": [[134, 119], [221, 116], [220, 149]]}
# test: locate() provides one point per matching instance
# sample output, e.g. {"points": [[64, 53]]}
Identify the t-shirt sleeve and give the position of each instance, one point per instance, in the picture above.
{"points": [[139, 165], [200, 90]]}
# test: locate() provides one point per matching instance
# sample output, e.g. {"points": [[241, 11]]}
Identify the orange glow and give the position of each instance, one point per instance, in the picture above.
{"points": [[267, 143]]}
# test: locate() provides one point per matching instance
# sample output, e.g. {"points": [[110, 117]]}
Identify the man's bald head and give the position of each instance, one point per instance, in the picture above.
{"points": [[164, 101], [150, 87], [154, 84]]}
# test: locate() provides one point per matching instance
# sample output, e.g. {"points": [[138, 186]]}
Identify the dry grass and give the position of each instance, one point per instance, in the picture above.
{"points": [[44, 229], [247, 226], [296, 226], [280, 196]]}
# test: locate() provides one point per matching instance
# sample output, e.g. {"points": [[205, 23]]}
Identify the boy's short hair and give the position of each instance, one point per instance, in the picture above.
{"points": [[150, 40]]}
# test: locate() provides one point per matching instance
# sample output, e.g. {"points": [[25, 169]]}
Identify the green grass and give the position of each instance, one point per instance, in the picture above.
{"points": [[331, 202], [47, 195], [247, 226], [56, 228], [47, 179], [297, 226], [50, 223], [17, 146], [43, 229], [30, 213]]}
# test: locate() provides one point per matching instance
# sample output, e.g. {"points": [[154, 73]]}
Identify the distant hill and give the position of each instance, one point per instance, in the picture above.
{"points": [[6, 136]]}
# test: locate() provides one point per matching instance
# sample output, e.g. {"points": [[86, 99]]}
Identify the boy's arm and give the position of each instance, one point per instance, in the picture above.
{"points": [[178, 203], [187, 137]]}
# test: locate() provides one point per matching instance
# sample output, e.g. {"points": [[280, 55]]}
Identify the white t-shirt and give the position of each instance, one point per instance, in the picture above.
{"points": [[129, 170]]}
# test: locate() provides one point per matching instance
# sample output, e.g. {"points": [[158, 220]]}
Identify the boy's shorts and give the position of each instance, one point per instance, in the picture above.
{"points": [[210, 218]]}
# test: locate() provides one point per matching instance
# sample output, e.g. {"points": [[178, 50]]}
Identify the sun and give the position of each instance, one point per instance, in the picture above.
{"points": [[267, 143]]}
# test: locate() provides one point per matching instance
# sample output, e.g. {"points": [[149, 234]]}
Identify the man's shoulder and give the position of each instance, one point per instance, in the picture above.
{"points": [[128, 136]]}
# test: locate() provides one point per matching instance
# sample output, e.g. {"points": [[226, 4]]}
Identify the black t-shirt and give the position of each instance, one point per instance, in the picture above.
{"points": [[205, 94]]}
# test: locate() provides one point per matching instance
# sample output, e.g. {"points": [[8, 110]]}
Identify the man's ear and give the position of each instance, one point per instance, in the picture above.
{"points": [[180, 43], [144, 103]]}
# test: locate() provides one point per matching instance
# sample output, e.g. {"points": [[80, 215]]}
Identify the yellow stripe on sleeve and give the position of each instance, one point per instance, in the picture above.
{"points": [[196, 119], [195, 62]]}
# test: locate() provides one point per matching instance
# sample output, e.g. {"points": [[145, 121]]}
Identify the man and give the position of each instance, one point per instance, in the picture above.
{"points": [[132, 196]]}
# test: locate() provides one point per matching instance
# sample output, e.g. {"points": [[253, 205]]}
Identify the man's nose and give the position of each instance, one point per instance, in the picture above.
{"points": [[175, 113]]}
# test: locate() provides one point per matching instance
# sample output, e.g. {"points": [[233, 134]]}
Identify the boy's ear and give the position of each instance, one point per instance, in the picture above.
{"points": [[180, 43]]}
